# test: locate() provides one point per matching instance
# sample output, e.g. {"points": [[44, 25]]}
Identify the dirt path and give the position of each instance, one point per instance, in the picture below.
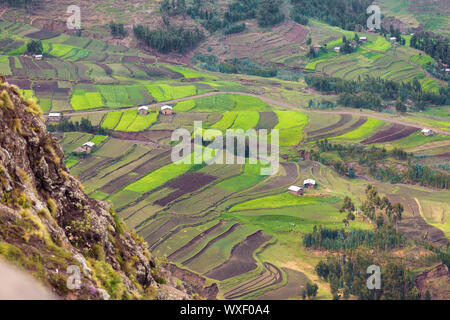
{"points": [[274, 102]]}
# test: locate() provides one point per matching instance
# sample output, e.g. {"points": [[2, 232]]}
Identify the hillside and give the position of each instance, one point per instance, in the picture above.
{"points": [[47, 223]]}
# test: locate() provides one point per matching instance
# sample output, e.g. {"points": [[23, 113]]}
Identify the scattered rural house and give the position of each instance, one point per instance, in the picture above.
{"points": [[143, 110], [85, 148], [54, 116], [427, 132], [372, 30], [309, 183], [393, 39], [38, 57], [363, 39], [317, 48], [447, 70], [296, 191], [337, 49], [167, 110]]}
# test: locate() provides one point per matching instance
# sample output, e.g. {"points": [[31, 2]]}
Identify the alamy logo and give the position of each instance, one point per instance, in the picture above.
{"points": [[374, 20], [235, 147], [74, 21], [374, 281]]}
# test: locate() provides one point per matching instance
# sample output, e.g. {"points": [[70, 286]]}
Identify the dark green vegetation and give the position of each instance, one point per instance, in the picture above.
{"points": [[347, 276], [374, 160], [371, 92], [340, 13], [168, 39], [434, 45]]}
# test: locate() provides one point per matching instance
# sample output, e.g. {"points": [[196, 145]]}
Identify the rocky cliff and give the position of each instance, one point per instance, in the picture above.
{"points": [[49, 227]]}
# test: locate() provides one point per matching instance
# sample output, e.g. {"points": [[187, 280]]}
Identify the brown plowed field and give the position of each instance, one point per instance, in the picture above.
{"points": [[295, 283], [267, 120], [345, 118], [392, 132], [354, 126], [269, 277], [296, 34], [241, 259], [184, 184], [281, 181]]}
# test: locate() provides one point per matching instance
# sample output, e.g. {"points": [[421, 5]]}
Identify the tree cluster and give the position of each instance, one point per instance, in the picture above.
{"points": [[345, 14], [169, 39], [436, 46], [85, 125], [118, 30], [347, 276], [368, 93], [340, 239], [35, 47]]}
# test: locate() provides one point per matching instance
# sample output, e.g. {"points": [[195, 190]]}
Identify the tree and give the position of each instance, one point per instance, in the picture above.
{"points": [[311, 290], [399, 106], [35, 47], [268, 13]]}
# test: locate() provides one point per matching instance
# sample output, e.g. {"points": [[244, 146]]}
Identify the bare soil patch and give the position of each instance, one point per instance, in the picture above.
{"points": [[296, 282], [184, 184], [42, 35], [417, 229], [393, 132], [436, 281], [269, 277], [344, 118], [281, 181], [241, 259], [267, 120], [194, 283], [354, 126]]}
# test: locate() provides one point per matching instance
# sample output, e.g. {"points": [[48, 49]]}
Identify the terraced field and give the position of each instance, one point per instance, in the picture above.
{"points": [[228, 224]]}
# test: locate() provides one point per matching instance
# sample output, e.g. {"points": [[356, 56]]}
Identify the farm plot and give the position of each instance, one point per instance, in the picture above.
{"points": [[147, 164], [390, 133], [269, 277], [250, 176], [185, 184], [311, 134], [165, 92], [281, 200], [82, 100], [241, 259], [202, 253], [127, 118], [228, 102], [246, 120], [267, 120], [290, 126], [226, 121], [288, 177], [296, 282], [111, 120], [365, 130], [187, 234], [348, 127]]}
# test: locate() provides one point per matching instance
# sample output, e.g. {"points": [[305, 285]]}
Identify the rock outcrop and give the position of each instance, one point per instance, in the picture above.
{"points": [[51, 228]]}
